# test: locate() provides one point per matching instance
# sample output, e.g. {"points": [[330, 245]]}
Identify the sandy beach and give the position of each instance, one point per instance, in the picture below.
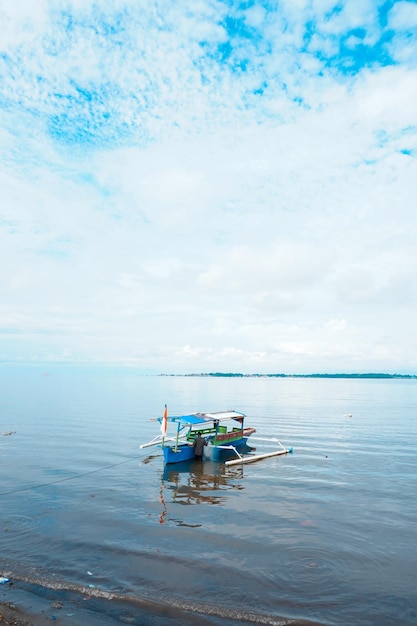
{"points": [[20, 605], [11, 615]]}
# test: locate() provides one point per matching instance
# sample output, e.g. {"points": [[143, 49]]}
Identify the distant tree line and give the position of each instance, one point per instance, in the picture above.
{"points": [[239, 375]]}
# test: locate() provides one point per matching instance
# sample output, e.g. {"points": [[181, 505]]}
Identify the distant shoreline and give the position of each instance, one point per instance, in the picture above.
{"points": [[370, 375]]}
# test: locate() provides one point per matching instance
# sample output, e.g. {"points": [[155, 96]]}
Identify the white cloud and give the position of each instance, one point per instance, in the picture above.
{"points": [[163, 207], [255, 16], [250, 269], [403, 16], [351, 15], [21, 21], [388, 99], [336, 324]]}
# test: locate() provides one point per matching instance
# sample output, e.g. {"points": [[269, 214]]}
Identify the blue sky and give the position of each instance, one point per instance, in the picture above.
{"points": [[205, 185]]}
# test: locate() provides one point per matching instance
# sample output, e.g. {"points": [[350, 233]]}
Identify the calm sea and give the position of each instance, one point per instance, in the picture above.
{"points": [[94, 530]]}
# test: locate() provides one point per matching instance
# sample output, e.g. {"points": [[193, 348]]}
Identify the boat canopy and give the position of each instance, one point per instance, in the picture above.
{"points": [[202, 418]]}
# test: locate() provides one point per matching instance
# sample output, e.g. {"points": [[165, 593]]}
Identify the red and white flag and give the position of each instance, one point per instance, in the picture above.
{"points": [[164, 423]]}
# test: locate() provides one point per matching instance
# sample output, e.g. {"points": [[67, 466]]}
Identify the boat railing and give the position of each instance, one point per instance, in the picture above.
{"points": [[192, 434]]}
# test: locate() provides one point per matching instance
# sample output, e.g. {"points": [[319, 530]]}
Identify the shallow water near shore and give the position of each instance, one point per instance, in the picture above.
{"points": [[90, 522]]}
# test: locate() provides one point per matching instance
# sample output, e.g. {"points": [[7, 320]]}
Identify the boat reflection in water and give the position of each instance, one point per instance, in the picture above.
{"points": [[197, 482]]}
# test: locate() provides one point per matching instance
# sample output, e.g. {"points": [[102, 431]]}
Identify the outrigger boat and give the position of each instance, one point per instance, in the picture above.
{"points": [[224, 432]]}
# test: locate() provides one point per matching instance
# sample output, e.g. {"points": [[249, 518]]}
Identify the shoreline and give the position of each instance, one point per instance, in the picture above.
{"points": [[12, 615], [25, 604], [21, 606]]}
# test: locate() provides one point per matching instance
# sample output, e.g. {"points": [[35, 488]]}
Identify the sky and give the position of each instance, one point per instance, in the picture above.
{"points": [[209, 185]]}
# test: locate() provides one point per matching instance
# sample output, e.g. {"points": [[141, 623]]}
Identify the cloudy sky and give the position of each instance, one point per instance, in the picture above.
{"points": [[209, 185]]}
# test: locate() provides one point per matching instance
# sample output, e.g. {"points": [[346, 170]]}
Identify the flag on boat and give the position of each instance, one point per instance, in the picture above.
{"points": [[164, 423]]}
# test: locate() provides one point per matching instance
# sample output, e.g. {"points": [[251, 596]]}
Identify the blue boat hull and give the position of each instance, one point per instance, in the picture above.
{"points": [[175, 455], [217, 453], [185, 452]]}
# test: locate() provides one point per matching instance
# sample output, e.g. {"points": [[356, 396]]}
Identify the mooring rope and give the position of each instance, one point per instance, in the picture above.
{"points": [[61, 480]]}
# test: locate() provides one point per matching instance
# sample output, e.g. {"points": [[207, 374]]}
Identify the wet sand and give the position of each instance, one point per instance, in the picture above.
{"points": [[26, 602], [11, 615], [20, 607]]}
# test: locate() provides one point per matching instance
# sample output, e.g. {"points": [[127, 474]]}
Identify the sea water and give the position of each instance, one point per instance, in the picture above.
{"points": [[99, 532]]}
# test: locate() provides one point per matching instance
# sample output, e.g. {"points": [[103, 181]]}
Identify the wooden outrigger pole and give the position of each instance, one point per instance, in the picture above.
{"points": [[161, 440], [251, 458]]}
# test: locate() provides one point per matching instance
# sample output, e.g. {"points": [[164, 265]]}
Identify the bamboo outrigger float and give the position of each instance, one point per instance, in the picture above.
{"points": [[251, 458], [223, 431]]}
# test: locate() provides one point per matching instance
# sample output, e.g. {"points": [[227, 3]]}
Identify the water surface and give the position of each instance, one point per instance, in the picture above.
{"points": [[327, 534]]}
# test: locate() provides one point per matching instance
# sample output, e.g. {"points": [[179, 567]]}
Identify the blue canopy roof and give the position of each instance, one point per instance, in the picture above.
{"points": [[188, 419], [203, 418]]}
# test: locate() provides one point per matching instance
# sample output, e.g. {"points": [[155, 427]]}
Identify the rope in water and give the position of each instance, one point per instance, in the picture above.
{"points": [[61, 480]]}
